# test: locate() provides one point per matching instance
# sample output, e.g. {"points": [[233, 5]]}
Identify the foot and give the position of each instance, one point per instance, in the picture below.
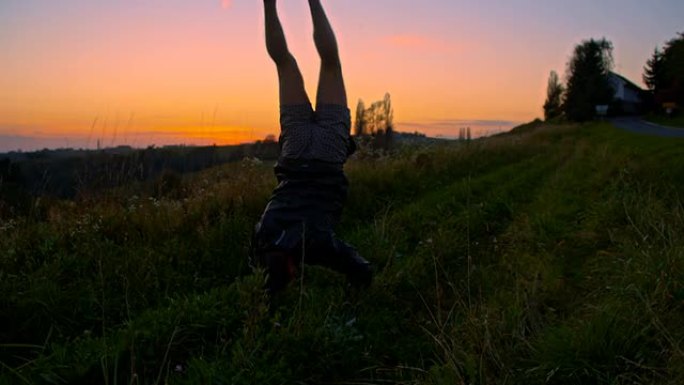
{"points": [[280, 269], [346, 260], [359, 271]]}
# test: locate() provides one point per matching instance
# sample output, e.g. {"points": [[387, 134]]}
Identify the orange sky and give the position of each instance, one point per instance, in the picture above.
{"points": [[196, 72]]}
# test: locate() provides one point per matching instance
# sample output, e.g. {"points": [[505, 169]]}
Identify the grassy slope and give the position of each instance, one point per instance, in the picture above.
{"points": [[677, 121], [551, 256]]}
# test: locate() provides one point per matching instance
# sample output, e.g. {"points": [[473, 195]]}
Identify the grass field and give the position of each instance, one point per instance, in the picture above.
{"points": [[551, 255], [677, 121]]}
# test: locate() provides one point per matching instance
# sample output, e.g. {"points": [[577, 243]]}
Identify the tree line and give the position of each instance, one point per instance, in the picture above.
{"points": [[587, 81], [375, 124], [664, 73], [69, 174]]}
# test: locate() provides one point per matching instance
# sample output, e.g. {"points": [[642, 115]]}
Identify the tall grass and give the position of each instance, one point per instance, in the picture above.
{"points": [[554, 255]]}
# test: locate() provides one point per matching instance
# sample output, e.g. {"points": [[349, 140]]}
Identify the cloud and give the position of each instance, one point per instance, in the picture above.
{"points": [[10, 143], [463, 123], [449, 128], [35, 140], [225, 4]]}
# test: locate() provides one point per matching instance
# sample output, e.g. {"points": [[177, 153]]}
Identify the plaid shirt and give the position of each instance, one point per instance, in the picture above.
{"points": [[316, 135]]}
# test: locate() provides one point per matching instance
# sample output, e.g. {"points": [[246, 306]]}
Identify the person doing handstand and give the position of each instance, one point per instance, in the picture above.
{"points": [[298, 223]]}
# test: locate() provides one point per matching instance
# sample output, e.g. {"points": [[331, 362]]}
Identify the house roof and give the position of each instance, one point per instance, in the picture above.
{"points": [[628, 83]]}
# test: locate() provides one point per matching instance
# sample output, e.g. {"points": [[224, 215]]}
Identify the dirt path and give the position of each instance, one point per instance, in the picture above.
{"points": [[640, 126]]}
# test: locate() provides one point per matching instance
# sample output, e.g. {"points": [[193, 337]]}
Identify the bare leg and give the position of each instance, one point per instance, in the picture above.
{"points": [[292, 89], [331, 88]]}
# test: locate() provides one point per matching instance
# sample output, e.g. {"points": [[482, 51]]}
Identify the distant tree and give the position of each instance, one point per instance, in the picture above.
{"points": [[588, 82], [368, 119], [388, 117], [376, 121], [672, 88], [464, 134], [360, 121], [554, 95], [5, 168], [653, 71]]}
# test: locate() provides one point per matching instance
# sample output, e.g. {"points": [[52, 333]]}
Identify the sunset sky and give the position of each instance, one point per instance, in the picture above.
{"points": [[141, 72]]}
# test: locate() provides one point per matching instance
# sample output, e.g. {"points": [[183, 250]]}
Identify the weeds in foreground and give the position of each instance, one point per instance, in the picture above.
{"points": [[553, 255]]}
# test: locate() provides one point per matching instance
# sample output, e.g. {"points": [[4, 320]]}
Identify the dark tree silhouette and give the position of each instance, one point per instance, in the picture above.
{"points": [[554, 95], [388, 119], [673, 72], [376, 121], [654, 74], [360, 122], [588, 84]]}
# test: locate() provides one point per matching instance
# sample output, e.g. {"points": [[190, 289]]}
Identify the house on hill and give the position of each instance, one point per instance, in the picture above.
{"points": [[628, 98]]}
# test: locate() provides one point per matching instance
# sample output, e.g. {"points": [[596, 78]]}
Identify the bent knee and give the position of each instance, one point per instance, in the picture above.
{"points": [[285, 61]]}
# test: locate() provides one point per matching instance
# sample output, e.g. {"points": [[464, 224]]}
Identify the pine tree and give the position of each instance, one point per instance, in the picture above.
{"points": [[654, 71], [673, 70], [588, 82], [360, 121], [554, 95], [389, 120]]}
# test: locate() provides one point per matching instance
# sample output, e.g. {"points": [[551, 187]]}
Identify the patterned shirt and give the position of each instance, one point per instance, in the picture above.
{"points": [[315, 135]]}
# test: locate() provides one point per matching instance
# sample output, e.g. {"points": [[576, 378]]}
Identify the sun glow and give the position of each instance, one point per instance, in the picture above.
{"points": [[189, 72]]}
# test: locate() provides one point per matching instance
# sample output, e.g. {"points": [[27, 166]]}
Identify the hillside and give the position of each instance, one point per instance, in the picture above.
{"points": [[550, 255], [69, 173]]}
